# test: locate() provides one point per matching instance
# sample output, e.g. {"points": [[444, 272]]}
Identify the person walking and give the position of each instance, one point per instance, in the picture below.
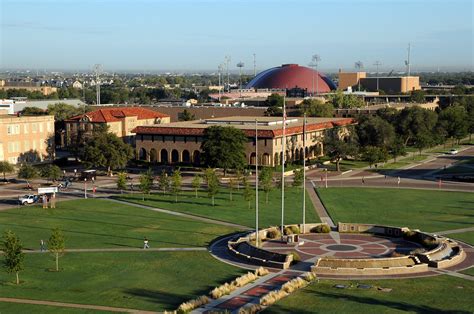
{"points": [[145, 244], [363, 180], [398, 181], [42, 246]]}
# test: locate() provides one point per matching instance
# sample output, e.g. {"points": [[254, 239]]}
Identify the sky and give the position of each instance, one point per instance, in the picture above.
{"points": [[194, 35]]}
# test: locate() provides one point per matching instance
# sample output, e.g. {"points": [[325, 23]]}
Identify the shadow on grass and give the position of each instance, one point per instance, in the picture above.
{"points": [[168, 300]]}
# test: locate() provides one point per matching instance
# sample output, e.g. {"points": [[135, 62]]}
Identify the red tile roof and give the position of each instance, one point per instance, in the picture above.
{"points": [[117, 114], [277, 132]]}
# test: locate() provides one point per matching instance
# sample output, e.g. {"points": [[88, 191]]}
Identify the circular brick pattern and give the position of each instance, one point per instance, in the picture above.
{"points": [[341, 247]]}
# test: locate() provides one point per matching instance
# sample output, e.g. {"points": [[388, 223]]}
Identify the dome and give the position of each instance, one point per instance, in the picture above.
{"points": [[290, 76]]}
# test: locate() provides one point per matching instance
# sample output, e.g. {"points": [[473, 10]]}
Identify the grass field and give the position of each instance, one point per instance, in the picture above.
{"points": [[441, 294], [6, 307], [467, 237], [106, 224], [143, 280], [235, 211], [420, 209], [469, 271]]}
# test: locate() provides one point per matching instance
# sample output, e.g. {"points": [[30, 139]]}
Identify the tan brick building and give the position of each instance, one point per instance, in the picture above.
{"points": [[180, 142], [121, 122], [392, 84], [26, 138]]}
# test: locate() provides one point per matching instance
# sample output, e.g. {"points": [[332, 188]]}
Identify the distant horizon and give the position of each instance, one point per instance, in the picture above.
{"points": [[195, 36]]}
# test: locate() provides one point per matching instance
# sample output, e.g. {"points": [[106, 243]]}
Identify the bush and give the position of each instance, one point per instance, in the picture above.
{"points": [[296, 257], [250, 308], [238, 282], [291, 230], [309, 276], [321, 229], [287, 231], [294, 285], [273, 297], [273, 233], [193, 304]]}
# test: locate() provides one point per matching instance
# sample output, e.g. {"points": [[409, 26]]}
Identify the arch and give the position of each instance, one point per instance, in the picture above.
{"points": [[197, 157], [164, 156], [142, 154], [174, 156], [302, 155], [306, 152], [276, 159], [281, 158], [296, 154], [153, 155], [265, 159], [186, 157], [252, 159]]}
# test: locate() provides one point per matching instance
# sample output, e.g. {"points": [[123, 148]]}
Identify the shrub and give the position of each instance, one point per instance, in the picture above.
{"points": [[261, 271], [273, 233], [309, 276], [296, 257], [321, 229], [238, 282], [193, 304], [273, 297], [294, 285], [250, 309], [295, 229]]}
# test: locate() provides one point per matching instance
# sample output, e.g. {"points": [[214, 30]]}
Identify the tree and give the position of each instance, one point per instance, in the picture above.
{"points": [[232, 185], [298, 177], [13, 254], [212, 183], [122, 181], [176, 181], [345, 101], [397, 148], [274, 103], [164, 182], [56, 245], [373, 154], [6, 167], [247, 192], [338, 147], [224, 147], [455, 121], [146, 182], [186, 116], [27, 172], [106, 150], [63, 111], [51, 172], [266, 179], [418, 96], [316, 108], [415, 122], [33, 111], [196, 183], [374, 131]]}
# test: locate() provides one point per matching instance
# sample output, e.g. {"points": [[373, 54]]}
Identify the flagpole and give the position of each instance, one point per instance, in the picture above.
{"points": [[304, 173], [283, 169], [256, 183]]}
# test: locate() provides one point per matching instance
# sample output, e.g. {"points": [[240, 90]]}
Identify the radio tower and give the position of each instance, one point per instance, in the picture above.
{"points": [[254, 65], [98, 72]]}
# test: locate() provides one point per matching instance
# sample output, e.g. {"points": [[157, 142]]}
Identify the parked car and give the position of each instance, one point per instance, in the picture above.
{"points": [[453, 151], [28, 199]]}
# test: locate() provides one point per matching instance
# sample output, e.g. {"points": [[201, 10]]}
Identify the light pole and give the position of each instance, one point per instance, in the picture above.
{"points": [[240, 65], [314, 64], [85, 187], [256, 183], [359, 65], [304, 174], [377, 64], [220, 67]]}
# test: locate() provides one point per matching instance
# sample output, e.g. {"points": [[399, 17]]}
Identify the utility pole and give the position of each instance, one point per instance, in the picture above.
{"points": [[240, 65], [359, 65], [97, 71], [219, 69], [256, 183], [314, 64], [283, 170], [304, 174], [227, 62], [377, 64], [254, 65]]}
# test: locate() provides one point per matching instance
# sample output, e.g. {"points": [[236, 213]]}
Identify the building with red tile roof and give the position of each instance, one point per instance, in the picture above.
{"points": [[120, 121], [180, 142]]}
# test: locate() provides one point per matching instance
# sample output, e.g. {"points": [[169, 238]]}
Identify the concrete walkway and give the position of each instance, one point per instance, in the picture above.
{"points": [[190, 216], [74, 305], [454, 274], [164, 249], [318, 205], [455, 231]]}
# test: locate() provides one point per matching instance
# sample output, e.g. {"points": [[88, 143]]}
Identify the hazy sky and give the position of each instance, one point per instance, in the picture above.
{"points": [[196, 35]]}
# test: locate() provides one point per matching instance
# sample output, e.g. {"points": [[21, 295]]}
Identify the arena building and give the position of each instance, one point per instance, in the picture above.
{"points": [[180, 142], [292, 76]]}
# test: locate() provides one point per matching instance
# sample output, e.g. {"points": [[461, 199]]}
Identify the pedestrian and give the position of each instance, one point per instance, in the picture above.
{"points": [[398, 181], [145, 244], [363, 180], [131, 186], [42, 246], [75, 173]]}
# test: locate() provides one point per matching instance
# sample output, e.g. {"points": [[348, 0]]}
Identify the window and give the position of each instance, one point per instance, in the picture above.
{"points": [[185, 139], [41, 127], [17, 129], [48, 126], [25, 128], [26, 146], [34, 127], [265, 142], [174, 139], [163, 138], [9, 129], [196, 139], [34, 144]]}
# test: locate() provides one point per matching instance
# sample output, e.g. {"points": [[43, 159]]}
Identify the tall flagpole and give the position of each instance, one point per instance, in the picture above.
{"points": [[304, 173], [256, 183], [283, 169]]}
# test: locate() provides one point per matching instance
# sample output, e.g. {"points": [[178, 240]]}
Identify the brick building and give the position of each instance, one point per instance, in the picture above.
{"points": [[180, 142]]}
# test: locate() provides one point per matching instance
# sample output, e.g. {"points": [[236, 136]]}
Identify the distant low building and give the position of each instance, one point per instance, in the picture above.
{"points": [[390, 84], [26, 138], [32, 87], [120, 121], [77, 85], [180, 142], [372, 109]]}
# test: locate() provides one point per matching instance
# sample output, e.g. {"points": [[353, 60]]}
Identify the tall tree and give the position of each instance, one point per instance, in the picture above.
{"points": [[247, 190], [57, 245], [196, 183], [266, 179], [274, 103], [212, 183], [415, 123], [232, 185], [455, 121], [316, 108], [6, 167], [164, 182], [106, 150], [224, 147], [146, 182], [186, 115], [374, 154], [33, 111], [176, 181], [298, 177], [122, 181], [374, 131], [397, 148], [51, 172], [339, 147], [63, 111], [27, 172], [13, 254]]}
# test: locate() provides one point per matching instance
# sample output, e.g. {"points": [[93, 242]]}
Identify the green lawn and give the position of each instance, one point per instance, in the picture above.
{"points": [[420, 209], [404, 161], [235, 211], [467, 237], [143, 280], [469, 271], [96, 223], [439, 294], [6, 307]]}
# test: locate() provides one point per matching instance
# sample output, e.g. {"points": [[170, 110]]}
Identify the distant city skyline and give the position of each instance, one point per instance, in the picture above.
{"points": [[186, 35]]}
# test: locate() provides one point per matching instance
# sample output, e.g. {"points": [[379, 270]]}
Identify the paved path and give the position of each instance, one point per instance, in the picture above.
{"points": [[455, 231], [74, 305], [164, 249], [170, 212], [318, 205], [453, 273]]}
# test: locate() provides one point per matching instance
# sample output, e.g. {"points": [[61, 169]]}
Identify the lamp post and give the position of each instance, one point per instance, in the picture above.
{"points": [[314, 64], [377, 64], [256, 183], [85, 187]]}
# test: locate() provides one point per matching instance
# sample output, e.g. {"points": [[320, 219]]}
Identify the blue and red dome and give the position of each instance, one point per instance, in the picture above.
{"points": [[290, 76]]}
